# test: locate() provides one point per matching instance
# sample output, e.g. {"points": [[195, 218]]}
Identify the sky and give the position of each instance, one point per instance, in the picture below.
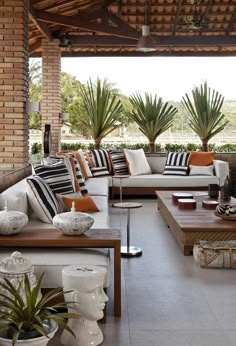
{"points": [[168, 77]]}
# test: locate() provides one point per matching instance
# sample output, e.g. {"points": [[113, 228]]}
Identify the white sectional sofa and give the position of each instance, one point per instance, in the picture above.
{"points": [[51, 260], [148, 183]]}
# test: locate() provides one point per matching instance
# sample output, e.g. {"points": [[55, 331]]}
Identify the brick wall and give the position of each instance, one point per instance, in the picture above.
{"points": [[13, 84], [51, 100]]}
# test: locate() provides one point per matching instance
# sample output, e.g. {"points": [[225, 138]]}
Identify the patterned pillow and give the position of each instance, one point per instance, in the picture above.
{"points": [[101, 159], [119, 163], [176, 163], [78, 174], [41, 199], [57, 177], [99, 171]]}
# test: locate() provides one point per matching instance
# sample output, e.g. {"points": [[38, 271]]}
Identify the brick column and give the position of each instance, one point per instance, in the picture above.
{"points": [[13, 84], [51, 91]]}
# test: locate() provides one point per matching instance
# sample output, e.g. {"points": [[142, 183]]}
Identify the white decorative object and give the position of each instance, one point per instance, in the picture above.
{"points": [[12, 222], [86, 283], [201, 170], [73, 222], [137, 162], [15, 267]]}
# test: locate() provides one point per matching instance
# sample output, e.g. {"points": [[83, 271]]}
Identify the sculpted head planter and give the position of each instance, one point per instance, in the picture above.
{"points": [[89, 301]]}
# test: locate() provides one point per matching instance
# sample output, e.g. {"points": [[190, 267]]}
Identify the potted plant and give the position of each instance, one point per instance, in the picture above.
{"points": [[27, 317]]}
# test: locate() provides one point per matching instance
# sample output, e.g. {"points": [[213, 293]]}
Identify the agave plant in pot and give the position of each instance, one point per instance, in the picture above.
{"points": [[26, 317]]}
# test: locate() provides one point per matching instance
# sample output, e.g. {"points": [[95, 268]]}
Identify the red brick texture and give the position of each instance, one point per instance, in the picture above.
{"points": [[51, 98], [13, 84]]}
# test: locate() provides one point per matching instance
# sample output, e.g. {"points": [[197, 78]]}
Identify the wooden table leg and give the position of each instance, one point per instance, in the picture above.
{"points": [[117, 279]]}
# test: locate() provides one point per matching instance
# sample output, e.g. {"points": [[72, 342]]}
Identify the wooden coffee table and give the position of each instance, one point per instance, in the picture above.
{"points": [[94, 238], [188, 226]]}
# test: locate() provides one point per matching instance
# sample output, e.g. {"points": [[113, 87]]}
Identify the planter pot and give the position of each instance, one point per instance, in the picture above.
{"points": [[38, 341]]}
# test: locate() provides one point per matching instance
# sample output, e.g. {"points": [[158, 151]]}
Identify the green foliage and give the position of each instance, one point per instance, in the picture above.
{"points": [[152, 115], [226, 148], [23, 310], [36, 148], [204, 112], [103, 110]]}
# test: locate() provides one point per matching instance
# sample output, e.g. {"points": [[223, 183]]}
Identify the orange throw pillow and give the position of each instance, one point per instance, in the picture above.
{"points": [[83, 204], [201, 158]]}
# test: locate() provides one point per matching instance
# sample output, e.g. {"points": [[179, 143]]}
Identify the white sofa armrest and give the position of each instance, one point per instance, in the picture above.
{"points": [[221, 170]]}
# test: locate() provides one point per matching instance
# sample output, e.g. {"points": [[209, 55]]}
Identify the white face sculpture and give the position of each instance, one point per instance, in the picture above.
{"points": [[90, 304]]}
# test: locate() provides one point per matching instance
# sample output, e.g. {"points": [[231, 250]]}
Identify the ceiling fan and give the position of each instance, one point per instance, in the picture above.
{"points": [[196, 20]]}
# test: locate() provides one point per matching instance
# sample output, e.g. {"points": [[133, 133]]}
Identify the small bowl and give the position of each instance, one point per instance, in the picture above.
{"points": [[73, 223]]}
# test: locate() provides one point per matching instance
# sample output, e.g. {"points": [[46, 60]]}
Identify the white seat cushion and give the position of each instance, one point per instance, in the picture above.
{"points": [[97, 186], [159, 180], [52, 261]]}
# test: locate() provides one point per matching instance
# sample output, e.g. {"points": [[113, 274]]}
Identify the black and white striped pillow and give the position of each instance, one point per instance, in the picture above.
{"points": [[41, 199], [57, 177], [101, 159], [119, 162], [176, 163], [99, 171], [52, 160]]}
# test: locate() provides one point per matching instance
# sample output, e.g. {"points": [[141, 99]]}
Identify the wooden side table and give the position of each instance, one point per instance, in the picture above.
{"points": [[128, 250]]}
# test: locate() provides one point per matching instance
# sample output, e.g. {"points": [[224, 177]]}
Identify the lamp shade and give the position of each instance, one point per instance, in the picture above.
{"points": [[146, 42]]}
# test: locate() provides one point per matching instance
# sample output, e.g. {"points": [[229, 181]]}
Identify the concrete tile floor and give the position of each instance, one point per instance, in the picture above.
{"points": [[167, 300]]}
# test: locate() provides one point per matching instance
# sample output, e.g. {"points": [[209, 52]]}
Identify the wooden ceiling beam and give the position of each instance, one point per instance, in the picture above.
{"points": [[105, 40], [122, 25], [41, 26], [81, 23], [35, 46]]}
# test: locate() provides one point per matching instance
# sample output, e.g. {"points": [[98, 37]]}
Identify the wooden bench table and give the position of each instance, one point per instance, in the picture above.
{"points": [[94, 238], [188, 226]]}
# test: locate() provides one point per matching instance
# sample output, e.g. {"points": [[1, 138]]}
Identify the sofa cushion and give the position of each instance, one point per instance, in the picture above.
{"points": [[83, 161], [99, 171], [119, 163], [41, 199], [160, 180], [101, 158], [101, 218], [137, 162], [98, 186], [201, 170], [176, 163], [201, 158], [57, 177], [157, 163], [16, 197]]}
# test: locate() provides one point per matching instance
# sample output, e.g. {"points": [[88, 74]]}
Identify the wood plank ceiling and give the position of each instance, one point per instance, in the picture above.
{"points": [[112, 28]]}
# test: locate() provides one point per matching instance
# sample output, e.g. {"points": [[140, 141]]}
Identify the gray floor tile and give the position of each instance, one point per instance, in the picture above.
{"points": [[170, 338], [167, 300]]}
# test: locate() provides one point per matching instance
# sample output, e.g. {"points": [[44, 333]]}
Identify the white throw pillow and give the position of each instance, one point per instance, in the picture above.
{"points": [[137, 162], [201, 170]]}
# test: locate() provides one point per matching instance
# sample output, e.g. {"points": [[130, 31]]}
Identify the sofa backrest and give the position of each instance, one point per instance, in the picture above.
{"points": [[156, 163], [16, 197]]}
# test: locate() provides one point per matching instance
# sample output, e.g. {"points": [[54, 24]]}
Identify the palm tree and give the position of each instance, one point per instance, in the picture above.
{"points": [[152, 115], [204, 113], [103, 109]]}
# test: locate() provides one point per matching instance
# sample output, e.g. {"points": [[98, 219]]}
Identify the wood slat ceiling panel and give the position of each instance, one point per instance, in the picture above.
{"points": [[115, 26]]}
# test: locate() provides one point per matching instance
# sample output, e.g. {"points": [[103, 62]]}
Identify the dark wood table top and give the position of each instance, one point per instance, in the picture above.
{"points": [[54, 238], [197, 219]]}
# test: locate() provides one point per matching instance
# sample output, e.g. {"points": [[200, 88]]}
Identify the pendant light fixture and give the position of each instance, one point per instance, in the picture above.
{"points": [[146, 42]]}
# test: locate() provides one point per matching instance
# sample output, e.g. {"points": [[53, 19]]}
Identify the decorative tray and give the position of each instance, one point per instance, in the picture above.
{"points": [[226, 217]]}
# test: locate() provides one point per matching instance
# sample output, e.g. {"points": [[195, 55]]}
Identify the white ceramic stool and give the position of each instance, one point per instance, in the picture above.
{"points": [[86, 283]]}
